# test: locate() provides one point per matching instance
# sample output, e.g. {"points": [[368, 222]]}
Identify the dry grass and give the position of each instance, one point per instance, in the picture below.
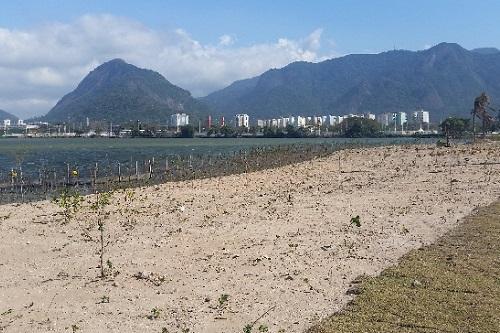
{"points": [[450, 286]]}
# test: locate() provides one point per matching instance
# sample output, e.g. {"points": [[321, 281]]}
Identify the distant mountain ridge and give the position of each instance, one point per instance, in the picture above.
{"points": [[444, 79], [486, 50], [120, 92], [5, 115]]}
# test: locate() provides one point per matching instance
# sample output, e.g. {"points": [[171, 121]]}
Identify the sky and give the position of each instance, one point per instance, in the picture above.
{"points": [[47, 47]]}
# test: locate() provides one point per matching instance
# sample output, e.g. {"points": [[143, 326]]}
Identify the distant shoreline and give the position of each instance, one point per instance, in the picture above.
{"points": [[227, 137]]}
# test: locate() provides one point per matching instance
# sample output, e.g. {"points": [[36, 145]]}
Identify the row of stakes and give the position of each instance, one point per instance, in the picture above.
{"points": [[179, 168]]}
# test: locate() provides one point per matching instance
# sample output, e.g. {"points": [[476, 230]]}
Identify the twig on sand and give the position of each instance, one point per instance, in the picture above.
{"points": [[262, 315]]}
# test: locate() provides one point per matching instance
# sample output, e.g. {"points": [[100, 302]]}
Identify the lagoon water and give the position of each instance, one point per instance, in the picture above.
{"points": [[31, 154]]}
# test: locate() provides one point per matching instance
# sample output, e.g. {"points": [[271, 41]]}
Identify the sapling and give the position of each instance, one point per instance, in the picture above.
{"points": [[101, 201], [70, 202], [129, 198]]}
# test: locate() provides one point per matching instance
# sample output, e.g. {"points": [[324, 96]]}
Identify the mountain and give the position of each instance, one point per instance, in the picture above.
{"points": [[5, 115], [120, 92], [444, 79], [486, 50]]}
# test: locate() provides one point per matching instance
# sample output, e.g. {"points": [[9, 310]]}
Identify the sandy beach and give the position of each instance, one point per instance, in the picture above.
{"points": [[213, 255]]}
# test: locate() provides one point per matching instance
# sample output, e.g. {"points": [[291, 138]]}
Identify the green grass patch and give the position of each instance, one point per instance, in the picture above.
{"points": [[450, 286]]}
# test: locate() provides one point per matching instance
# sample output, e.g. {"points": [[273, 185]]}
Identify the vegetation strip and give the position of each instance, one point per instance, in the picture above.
{"points": [[450, 286]]}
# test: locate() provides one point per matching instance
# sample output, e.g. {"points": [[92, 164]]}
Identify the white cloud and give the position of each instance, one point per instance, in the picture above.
{"points": [[39, 66], [226, 40]]}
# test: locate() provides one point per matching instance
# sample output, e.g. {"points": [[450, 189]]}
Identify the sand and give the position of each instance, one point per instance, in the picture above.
{"points": [[214, 255]]}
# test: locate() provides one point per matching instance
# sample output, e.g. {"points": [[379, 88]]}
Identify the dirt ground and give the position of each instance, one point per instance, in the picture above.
{"points": [[275, 247]]}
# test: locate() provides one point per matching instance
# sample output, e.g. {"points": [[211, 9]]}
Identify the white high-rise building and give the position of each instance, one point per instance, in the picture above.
{"points": [[331, 120], [242, 120], [421, 116], [399, 120], [301, 121], [324, 120], [280, 123], [385, 118], [369, 115], [6, 122], [334, 120], [179, 119]]}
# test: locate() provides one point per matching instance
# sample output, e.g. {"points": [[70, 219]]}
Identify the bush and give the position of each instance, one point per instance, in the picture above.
{"points": [[455, 127], [187, 132]]}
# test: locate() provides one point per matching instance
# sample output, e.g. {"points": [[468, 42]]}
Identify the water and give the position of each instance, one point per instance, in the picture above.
{"points": [[33, 154], [38, 169], [30, 155]]}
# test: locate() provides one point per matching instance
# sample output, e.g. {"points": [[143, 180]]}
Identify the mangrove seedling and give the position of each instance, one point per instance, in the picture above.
{"points": [[223, 300], [101, 201], [70, 202], [263, 328], [154, 314], [356, 221], [104, 299]]}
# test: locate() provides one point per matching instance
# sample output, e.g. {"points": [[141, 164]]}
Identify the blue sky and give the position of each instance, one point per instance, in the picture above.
{"points": [[353, 25], [48, 46]]}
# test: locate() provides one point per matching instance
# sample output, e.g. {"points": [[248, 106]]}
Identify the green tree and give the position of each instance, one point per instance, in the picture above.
{"points": [[294, 132], [227, 131], [362, 127], [455, 127], [214, 130], [187, 131]]}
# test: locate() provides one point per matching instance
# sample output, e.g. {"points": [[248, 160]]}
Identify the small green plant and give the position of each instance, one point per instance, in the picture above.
{"points": [[104, 299], [74, 328], [249, 328], [223, 300], [70, 202], [154, 314], [356, 221], [263, 328]]}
